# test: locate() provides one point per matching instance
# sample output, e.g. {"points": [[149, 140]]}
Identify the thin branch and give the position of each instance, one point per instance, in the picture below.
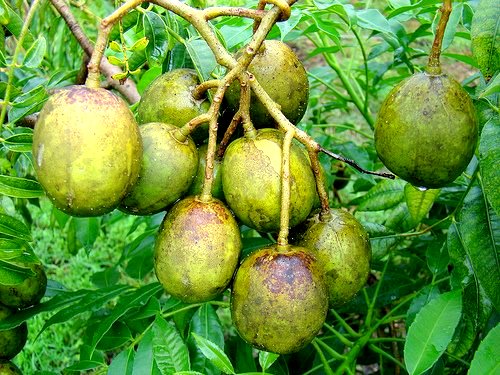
{"points": [[434, 65], [128, 89]]}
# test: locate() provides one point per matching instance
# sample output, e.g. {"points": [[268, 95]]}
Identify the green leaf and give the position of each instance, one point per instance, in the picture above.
{"points": [[202, 57], [4, 13], [170, 352], [16, 251], [12, 274], [18, 187], [205, 323], [12, 227], [478, 229], [89, 302], [451, 26], [19, 142], [372, 19], [432, 331], [27, 103], [215, 354], [267, 359], [144, 362], [384, 195], [489, 157], [123, 363], [15, 26], [35, 54], [84, 365], [156, 33], [493, 87], [486, 357], [126, 302], [118, 335], [419, 202]]}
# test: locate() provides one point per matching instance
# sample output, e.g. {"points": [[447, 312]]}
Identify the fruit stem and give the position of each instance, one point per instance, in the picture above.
{"points": [[12, 66], [284, 7], [285, 191], [434, 65], [320, 185], [93, 79]]}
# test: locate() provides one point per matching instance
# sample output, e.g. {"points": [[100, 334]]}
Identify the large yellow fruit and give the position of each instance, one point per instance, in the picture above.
{"points": [[87, 150]]}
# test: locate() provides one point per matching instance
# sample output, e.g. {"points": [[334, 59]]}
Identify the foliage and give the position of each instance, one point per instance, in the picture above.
{"points": [[435, 268]]}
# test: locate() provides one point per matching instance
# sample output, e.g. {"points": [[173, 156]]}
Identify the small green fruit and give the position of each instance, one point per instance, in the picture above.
{"points": [[342, 247], [279, 300], [12, 340], [8, 368], [168, 169], [278, 69], [251, 180], [169, 99], [87, 150], [197, 249], [426, 131], [197, 185], [27, 293]]}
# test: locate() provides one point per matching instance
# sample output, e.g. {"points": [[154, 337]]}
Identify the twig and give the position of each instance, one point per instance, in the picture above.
{"points": [[128, 89], [434, 65]]}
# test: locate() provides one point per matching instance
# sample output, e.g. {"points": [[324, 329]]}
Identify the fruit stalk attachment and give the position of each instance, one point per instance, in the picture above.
{"points": [[434, 64], [285, 191]]}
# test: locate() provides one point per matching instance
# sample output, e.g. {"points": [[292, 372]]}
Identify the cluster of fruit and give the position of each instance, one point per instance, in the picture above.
{"points": [[12, 299], [91, 157]]}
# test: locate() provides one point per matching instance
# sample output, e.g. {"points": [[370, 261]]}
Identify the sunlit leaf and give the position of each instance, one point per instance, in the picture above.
{"points": [[19, 142], [169, 350], [419, 202], [215, 354], [431, 332], [13, 227], [35, 54], [123, 363], [486, 357], [489, 157], [155, 31]]}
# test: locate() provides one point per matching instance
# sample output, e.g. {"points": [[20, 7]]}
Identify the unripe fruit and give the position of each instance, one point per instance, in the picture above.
{"points": [[251, 180], [342, 247], [426, 131], [282, 76], [279, 300], [8, 368], [169, 99], [12, 340], [27, 293], [87, 150], [197, 249], [168, 169]]}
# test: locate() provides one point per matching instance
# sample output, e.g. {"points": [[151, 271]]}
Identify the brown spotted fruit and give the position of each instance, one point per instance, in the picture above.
{"points": [[87, 150], [169, 99], [8, 368], [342, 247], [169, 164], [27, 293], [426, 131], [197, 249], [12, 340], [281, 74], [279, 299], [251, 180]]}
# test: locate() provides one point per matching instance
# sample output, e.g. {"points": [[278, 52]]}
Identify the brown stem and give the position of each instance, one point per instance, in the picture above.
{"points": [[128, 89], [285, 191], [200, 90], [320, 184], [434, 65], [214, 12]]}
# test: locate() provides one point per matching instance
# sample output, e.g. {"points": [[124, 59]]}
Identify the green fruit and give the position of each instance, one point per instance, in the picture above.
{"points": [[342, 247], [251, 180], [87, 150], [197, 249], [8, 368], [282, 75], [168, 169], [12, 340], [279, 300], [169, 99], [197, 185], [27, 293], [426, 131], [485, 38]]}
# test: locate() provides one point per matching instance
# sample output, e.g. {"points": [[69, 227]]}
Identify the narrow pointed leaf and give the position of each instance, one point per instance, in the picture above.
{"points": [[267, 359], [123, 363], [384, 195], [11, 274], [479, 231], [489, 157], [432, 331], [18, 187], [156, 33], [16, 251], [19, 142], [486, 357], [35, 54], [13, 227], [143, 363], [419, 202], [215, 354], [169, 350]]}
